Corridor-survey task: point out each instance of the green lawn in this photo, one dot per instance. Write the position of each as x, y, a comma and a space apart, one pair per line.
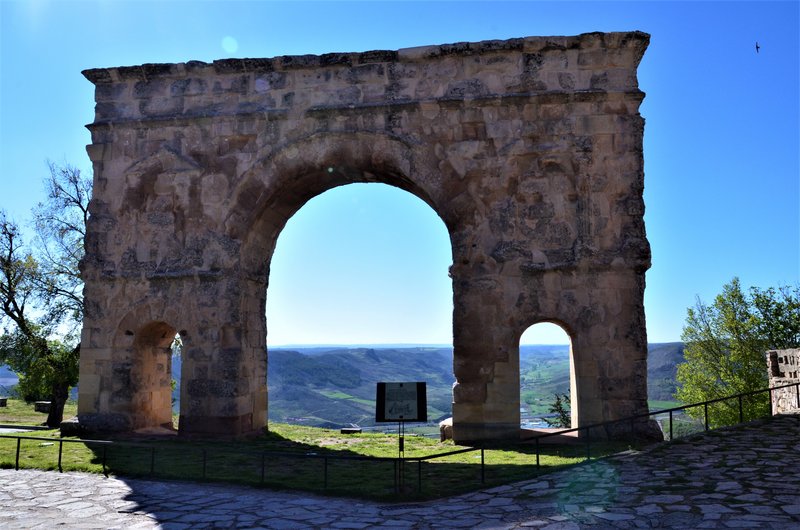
302, 458
655, 404
17, 412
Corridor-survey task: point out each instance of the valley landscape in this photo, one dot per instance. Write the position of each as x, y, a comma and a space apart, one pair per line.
334, 386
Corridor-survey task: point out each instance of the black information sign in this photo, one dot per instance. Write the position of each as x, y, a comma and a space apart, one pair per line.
402, 402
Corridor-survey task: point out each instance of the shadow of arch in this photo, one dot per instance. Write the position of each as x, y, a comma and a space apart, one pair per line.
553, 333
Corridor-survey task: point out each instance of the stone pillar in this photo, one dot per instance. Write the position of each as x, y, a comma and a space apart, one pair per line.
485, 361
224, 379
609, 346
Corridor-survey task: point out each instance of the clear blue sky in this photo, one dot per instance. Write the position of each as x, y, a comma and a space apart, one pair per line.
368, 263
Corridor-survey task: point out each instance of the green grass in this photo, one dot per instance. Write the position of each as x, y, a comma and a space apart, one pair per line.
656, 404
540, 380
335, 394
17, 412
296, 457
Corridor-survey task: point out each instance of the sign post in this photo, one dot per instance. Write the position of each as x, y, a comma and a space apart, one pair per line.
401, 402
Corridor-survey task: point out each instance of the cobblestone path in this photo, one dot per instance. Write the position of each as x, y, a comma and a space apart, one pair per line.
739, 478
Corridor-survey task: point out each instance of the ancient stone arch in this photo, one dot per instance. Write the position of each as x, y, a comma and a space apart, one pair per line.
529, 149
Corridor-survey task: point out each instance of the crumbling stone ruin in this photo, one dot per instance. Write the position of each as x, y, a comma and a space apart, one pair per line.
784, 369
529, 149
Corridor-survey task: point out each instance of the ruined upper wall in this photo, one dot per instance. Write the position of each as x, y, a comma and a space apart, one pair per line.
604, 62
784, 368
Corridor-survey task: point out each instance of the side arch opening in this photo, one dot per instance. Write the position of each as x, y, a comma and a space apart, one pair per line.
151, 381
548, 389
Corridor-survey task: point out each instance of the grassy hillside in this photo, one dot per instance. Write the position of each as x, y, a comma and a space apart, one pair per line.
662, 362
543, 371
338, 387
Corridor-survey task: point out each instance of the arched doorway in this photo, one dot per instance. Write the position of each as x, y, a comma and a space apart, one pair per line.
359, 278
151, 376
547, 378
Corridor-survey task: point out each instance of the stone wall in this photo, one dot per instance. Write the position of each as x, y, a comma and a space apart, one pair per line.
529, 149
784, 369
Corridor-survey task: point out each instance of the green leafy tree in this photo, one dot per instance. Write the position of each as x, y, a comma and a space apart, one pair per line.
60, 227
41, 305
726, 344
560, 407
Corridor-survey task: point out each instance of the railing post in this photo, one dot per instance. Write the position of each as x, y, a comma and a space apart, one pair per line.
771, 410
483, 469
419, 475
588, 443
263, 463
325, 472
105, 470
19, 440
670, 426
741, 410
537, 452
60, 451
204, 463
797, 389
705, 413
153, 461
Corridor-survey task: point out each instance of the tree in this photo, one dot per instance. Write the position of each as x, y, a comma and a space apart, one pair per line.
725, 345
560, 407
40, 293
60, 226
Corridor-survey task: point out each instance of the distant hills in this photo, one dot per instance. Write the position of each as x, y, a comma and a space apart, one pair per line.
7, 380
336, 386
662, 366
330, 386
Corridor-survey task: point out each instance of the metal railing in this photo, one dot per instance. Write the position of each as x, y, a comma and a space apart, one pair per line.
267, 458
264, 459
587, 429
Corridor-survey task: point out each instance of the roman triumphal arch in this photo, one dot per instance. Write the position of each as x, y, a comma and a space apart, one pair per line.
529, 149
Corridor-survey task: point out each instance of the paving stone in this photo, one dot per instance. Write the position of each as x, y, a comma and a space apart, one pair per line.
562, 526
649, 509
609, 516
624, 496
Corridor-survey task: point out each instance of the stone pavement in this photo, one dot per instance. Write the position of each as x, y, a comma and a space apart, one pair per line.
745, 477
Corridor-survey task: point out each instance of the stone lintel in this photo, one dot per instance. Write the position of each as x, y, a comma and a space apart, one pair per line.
190, 118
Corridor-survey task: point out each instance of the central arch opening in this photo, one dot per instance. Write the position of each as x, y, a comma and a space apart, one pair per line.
358, 292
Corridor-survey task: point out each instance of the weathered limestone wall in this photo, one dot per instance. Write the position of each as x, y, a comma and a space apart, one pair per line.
784, 369
529, 149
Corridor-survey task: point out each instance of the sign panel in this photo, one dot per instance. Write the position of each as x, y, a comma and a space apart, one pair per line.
401, 402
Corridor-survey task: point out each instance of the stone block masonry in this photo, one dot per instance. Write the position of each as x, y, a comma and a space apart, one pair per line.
784, 369
529, 149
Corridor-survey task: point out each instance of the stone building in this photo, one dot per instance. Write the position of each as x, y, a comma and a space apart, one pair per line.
530, 151
784, 369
